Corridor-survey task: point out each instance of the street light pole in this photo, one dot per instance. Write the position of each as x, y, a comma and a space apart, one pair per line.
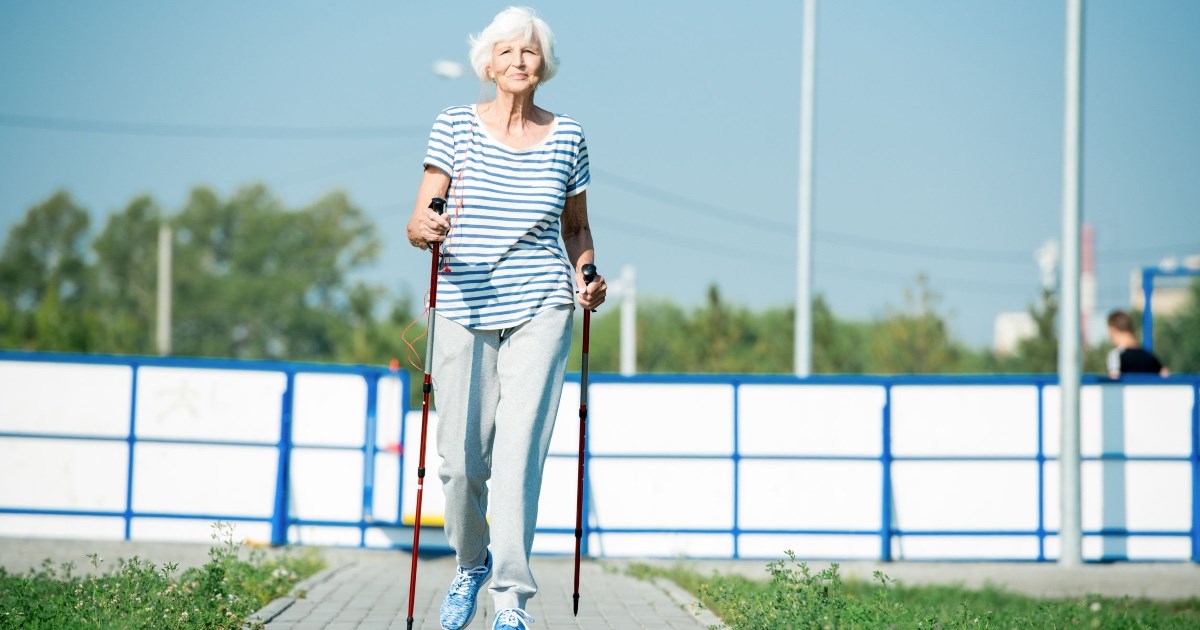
1069, 359
802, 352
628, 296
163, 315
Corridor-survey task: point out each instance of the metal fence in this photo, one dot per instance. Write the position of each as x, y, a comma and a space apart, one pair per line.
281, 518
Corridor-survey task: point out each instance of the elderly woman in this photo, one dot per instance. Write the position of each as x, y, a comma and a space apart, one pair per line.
515, 176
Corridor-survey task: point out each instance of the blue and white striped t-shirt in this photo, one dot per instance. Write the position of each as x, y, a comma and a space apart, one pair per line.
506, 262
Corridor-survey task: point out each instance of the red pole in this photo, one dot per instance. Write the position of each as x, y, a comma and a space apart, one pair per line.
438, 205
589, 272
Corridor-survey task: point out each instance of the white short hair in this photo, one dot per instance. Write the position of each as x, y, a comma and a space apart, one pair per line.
514, 23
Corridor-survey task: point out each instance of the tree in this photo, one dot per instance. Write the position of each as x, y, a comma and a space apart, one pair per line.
1177, 337
258, 281
838, 346
915, 340
125, 279
44, 276
1039, 353
662, 344
10, 325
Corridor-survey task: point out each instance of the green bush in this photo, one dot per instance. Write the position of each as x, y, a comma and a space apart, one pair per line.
796, 598
136, 594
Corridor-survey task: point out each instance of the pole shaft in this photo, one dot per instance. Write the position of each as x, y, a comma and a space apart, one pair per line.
583, 380
802, 352
163, 318
628, 322
1069, 357
426, 388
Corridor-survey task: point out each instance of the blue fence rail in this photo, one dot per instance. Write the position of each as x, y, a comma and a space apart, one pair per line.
281, 520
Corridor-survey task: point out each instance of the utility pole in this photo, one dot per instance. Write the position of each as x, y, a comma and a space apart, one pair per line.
1070, 535
802, 353
163, 319
628, 293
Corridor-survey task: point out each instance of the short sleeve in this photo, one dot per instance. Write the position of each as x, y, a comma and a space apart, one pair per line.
581, 176
1114, 361
440, 152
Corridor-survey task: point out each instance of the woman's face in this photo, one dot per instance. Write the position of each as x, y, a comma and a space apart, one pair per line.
516, 65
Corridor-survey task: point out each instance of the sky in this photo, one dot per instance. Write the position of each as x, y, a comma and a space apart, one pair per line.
938, 141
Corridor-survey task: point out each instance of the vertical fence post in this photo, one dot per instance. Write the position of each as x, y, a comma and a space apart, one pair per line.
402, 446
737, 465
1147, 309
279, 518
1196, 472
885, 459
1041, 471
369, 448
130, 441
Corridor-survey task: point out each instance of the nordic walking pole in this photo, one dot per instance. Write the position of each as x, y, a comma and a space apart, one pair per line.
438, 205
589, 274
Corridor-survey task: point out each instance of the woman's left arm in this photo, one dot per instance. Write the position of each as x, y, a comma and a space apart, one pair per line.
577, 236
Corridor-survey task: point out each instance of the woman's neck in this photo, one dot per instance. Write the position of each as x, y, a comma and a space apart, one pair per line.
512, 112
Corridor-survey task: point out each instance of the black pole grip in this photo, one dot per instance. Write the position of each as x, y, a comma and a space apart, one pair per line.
438, 205
589, 273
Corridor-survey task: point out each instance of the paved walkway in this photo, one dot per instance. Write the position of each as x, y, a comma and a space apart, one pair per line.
372, 594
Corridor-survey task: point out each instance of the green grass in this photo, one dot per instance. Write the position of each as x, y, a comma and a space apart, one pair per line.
795, 597
222, 593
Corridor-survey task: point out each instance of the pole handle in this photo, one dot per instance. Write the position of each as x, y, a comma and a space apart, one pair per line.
589, 274
438, 205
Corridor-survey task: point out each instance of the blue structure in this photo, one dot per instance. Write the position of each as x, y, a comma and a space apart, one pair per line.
1148, 276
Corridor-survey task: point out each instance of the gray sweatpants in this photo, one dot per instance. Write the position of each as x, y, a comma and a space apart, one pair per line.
497, 395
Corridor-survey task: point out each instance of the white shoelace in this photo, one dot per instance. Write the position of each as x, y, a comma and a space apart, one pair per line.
462, 581
511, 616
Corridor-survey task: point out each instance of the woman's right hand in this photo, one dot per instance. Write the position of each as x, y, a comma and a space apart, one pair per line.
427, 226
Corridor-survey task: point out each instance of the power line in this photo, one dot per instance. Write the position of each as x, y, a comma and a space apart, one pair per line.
340, 166
925, 251
701, 246
1141, 252
787, 229
218, 132
959, 285
693, 205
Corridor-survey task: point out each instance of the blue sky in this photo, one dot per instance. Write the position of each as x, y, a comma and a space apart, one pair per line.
938, 141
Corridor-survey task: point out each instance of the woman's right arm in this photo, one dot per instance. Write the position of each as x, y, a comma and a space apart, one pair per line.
427, 226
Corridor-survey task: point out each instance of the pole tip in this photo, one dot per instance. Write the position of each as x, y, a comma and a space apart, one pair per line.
576, 598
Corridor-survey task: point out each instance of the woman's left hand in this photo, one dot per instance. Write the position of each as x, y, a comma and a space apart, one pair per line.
591, 295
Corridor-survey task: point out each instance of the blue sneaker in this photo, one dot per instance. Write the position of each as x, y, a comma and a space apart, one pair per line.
512, 619
459, 606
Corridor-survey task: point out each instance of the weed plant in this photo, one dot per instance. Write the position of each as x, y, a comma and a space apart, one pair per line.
136, 594
797, 598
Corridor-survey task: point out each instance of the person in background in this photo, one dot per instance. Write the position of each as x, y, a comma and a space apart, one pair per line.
1127, 357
